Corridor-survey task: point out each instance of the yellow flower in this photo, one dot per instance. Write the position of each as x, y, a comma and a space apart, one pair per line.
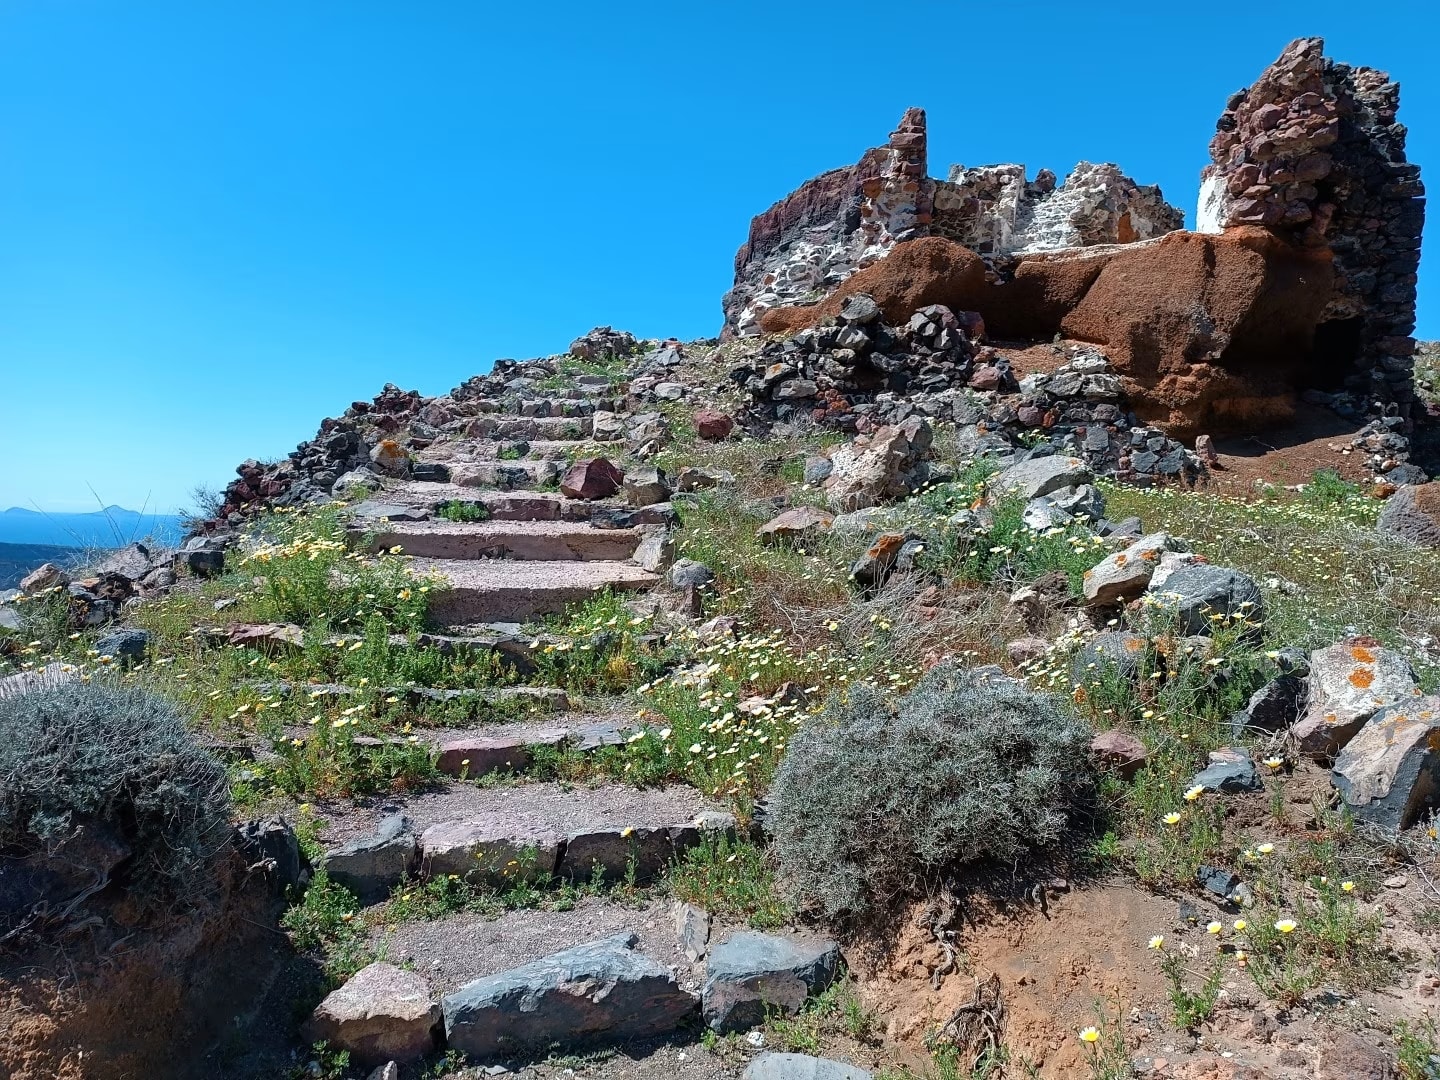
627, 831
1089, 1035
1239, 924
1194, 793
1171, 818
1157, 942
1348, 886
1273, 763
1285, 925
1214, 928
1266, 849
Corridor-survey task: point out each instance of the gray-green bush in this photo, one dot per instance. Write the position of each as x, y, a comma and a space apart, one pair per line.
115, 760
880, 797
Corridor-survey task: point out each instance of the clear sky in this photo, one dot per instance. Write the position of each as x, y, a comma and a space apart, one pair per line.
222, 221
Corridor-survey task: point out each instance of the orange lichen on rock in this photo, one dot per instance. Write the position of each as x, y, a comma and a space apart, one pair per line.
1362, 677
1362, 655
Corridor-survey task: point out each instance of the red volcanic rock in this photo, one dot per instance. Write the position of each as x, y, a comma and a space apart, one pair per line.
713, 425
1208, 332
1120, 751
916, 274
591, 478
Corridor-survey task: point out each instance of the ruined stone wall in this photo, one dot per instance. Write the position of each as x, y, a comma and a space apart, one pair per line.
808, 243
829, 227
994, 210
1313, 151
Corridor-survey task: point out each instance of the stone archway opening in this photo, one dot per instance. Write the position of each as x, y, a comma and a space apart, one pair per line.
1335, 356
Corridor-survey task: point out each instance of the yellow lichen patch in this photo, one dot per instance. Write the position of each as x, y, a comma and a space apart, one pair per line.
1362, 678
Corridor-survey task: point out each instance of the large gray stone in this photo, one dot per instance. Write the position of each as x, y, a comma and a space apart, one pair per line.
372, 865
1230, 772
1273, 707
1040, 476
1117, 652
600, 991
486, 855
382, 1014
752, 974
1195, 594
1126, 574
800, 1067
127, 646
645, 852
1408, 516
1389, 773
1349, 683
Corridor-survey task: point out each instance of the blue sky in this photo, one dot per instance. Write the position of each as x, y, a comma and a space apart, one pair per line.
220, 222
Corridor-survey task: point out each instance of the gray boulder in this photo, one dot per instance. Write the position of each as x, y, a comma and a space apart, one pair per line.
131, 561
646, 486
800, 1067
1197, 592
372, 865
1349, 683
1123, 576
127, 646
750, 975
1412, 514
1040, 476
1389, 774
1230, 772
382, 1014
1273, 707
687, 573
600, 991
1117, 651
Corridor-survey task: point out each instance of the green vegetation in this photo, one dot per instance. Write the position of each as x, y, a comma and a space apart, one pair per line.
731, 879
455, 510
108, 761
878, 799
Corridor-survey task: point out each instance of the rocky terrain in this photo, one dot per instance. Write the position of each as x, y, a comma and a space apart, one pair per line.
958, 668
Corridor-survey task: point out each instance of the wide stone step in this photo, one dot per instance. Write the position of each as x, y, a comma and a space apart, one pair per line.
505, 590
494, 836
468, 450
421, 498
513, 475
549, 541
559, 428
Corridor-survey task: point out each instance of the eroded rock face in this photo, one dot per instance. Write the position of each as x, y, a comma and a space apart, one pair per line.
1349, 683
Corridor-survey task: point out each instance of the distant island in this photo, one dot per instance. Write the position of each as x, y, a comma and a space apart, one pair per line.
111, 527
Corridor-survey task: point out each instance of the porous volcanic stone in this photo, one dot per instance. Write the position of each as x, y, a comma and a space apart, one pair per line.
591, 478
1120, 751
1412, 514
1389, 773
751, 974
382, 1014
602, 990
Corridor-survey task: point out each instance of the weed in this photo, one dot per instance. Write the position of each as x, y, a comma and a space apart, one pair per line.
731, 878
324, 922
1191, 1008
456, 510
1419, 1050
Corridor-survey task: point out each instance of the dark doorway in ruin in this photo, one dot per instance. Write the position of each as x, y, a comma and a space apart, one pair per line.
1334, 357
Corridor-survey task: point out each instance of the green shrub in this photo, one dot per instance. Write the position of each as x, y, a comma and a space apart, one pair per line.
122, 759
879, 798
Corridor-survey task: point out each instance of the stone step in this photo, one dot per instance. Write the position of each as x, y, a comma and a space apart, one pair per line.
517, 475
555, 404
558, 428
494, 835
509, 748
489, 450
418, 499
546, 541
507, 590
526, 698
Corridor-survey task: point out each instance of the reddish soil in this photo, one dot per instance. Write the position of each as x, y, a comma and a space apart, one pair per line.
1317, 439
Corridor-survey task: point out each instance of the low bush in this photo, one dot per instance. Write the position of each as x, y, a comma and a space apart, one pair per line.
879, 797
90, 764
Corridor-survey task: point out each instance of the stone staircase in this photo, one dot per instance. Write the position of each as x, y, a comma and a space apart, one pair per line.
534, 552
531, 552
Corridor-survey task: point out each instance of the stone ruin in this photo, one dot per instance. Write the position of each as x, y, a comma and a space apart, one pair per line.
848, 219
1298, 283
1312, 151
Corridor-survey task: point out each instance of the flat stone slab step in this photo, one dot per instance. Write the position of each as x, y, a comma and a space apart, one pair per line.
460, 948
417, 498
508, 747
546, 541
495, 836
468, 450
538, 698
506, 590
